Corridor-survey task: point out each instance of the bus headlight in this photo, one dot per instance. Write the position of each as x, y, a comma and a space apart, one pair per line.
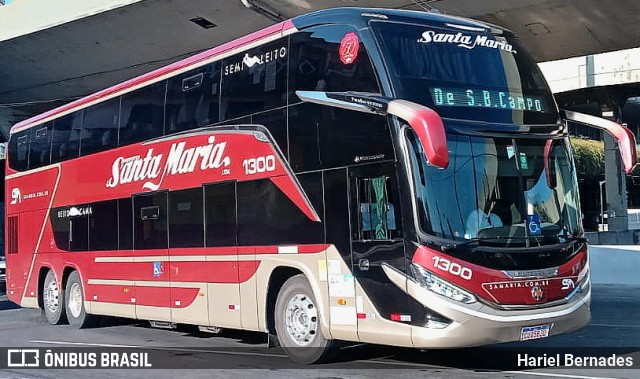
437, 285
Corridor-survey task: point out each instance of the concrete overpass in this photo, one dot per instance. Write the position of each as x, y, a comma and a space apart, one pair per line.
53, 52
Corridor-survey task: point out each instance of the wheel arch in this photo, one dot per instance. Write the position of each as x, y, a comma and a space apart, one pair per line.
279, 275
68, 269
42, 274
65, 275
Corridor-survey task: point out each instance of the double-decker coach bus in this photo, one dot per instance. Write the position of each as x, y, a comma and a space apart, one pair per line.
371, 175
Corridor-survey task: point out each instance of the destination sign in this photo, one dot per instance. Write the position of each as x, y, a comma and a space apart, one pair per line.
485, 98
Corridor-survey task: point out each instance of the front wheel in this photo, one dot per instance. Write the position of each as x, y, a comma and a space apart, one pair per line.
53, 300
74, 296
298, 323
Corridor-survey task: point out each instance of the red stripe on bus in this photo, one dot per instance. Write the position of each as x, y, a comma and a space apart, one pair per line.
231, 271
183, 296
109, 293
166, 297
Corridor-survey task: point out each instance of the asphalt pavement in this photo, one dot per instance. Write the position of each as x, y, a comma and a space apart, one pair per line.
615, 327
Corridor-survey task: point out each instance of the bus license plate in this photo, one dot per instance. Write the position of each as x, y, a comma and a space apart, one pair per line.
534, 332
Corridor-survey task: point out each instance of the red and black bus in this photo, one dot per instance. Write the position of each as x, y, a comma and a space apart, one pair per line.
372, 175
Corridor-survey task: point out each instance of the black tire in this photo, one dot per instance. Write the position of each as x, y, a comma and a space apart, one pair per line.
74, 303
305, 345
53, 300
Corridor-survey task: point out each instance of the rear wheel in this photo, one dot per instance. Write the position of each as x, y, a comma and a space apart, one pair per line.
53, 300
298, 323
74, 295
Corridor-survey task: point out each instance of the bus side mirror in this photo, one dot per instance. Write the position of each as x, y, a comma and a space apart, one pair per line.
425, 122
550, 165
624, 136
428, 126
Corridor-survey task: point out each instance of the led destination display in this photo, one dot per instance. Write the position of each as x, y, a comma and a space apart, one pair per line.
485, 98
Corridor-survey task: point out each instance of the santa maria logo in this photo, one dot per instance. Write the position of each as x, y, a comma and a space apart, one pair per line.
465, 40
153, 167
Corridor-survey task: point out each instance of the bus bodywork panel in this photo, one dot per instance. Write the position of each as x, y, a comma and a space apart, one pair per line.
181, 228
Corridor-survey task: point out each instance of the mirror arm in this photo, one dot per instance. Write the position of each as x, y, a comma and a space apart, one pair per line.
428, 126
624, 136
424, 121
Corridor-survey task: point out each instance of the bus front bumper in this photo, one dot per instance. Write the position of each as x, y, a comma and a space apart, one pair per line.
480, 324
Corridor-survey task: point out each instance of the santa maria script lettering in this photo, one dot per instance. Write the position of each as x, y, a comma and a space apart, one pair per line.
180, 160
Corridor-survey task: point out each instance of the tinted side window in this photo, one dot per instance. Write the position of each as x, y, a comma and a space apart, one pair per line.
376, 203
142, 114
326, 137
70, 226
60, 226
186, 224
79, 228
193, 99
125, 224
266, 216
348, 137
92, 226
276, 122
150, 225
237, 121
100, 127
66, 137
103, 226
19, 150
255, 80
376, 213
336, 214
316, 64
220, 214
40, 150
304, 121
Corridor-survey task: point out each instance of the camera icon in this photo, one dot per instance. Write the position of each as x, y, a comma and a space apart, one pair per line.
23, 358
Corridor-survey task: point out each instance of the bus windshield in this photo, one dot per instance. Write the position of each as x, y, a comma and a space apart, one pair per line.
502, 191
465, 74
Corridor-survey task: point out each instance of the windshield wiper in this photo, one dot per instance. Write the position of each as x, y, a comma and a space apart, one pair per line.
451, 246
580, 239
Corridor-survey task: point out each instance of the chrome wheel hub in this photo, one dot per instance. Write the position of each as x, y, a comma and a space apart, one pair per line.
52, 297
75, 300
301, 319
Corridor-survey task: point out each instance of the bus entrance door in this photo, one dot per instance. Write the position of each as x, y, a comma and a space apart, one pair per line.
150, 244
376, 235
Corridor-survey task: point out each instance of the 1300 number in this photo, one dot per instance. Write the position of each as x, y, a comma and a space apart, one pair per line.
259, 165
452, 268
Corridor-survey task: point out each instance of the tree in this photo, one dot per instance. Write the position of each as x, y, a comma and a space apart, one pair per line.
589, 157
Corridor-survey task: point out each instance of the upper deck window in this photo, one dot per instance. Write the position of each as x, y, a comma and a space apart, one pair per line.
465, 74
193, 99
142, 114
19, 150
66, 137
40, 149
254, 80
100, 127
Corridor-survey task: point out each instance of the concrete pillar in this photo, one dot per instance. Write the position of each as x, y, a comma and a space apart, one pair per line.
591, 77
616, 186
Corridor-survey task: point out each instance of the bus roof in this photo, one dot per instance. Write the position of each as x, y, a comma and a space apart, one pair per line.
349, 15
